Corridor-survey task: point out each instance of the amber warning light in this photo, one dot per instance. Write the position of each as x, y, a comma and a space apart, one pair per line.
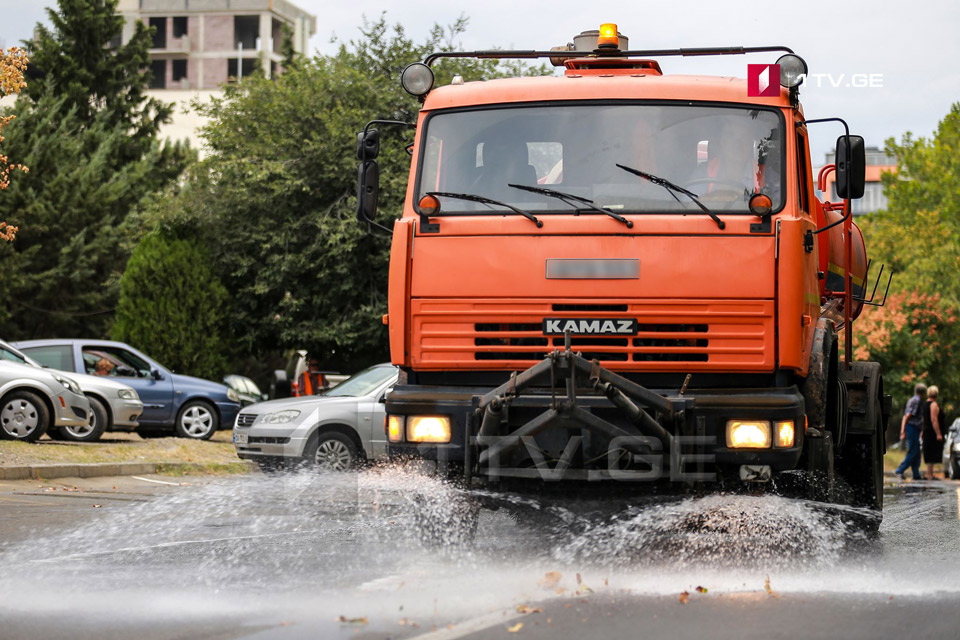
608, 38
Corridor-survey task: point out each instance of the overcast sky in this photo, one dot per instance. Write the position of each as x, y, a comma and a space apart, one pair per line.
913, 46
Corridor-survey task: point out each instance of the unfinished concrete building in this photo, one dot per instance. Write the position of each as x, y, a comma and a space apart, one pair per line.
200, 44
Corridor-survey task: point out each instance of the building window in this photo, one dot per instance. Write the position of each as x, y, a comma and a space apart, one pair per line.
179, 26
158, 71
249, 67
246, 30
160, 32
179, 70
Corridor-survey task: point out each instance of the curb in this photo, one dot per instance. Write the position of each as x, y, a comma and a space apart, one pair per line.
100, 469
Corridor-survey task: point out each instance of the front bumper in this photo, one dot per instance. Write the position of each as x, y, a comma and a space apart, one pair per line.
70, 410
551, 422
126, 414
270, 441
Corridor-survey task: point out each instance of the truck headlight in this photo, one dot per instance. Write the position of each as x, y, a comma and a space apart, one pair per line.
786, 434
280, 417
428, 429
127, 394
394, 428
748, 434
69, 384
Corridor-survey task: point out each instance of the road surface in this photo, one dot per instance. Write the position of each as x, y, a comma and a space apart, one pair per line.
343, 556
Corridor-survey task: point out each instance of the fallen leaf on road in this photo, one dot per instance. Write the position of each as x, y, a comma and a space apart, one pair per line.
701, 589
97, 506
515, 627
606, 582
550, 579
357, 621
561, 591
684, 597
407, 622
523, 608
766, 586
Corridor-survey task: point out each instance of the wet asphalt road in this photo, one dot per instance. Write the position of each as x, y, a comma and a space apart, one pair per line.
342, 556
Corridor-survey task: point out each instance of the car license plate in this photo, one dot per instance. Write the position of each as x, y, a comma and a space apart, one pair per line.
239, 438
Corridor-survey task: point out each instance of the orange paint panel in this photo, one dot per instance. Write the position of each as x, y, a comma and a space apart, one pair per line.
669, 267
399, 289
674, 335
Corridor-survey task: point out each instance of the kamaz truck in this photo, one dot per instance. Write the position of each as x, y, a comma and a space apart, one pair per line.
618, 278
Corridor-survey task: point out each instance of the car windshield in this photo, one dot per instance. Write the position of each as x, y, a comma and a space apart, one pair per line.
723, 155
363, 383
7, 353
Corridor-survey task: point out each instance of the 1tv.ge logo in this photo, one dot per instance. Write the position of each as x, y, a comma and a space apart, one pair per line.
763, 80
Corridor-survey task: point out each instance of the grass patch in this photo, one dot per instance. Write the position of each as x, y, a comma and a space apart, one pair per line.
217, 454
179, 469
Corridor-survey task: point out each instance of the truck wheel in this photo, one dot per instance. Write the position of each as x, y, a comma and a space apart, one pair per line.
23, 416
862, 466
90, 432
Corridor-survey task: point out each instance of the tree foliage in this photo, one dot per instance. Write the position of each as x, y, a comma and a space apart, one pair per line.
275, 197
13, 64
89, 135
918, 236
173, 306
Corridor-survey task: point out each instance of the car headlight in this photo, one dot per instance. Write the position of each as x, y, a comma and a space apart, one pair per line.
280, 417
233, 396
128, 394
748, 434
69, 384
428, 429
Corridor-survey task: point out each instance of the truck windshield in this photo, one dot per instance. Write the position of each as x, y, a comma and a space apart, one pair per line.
722, 154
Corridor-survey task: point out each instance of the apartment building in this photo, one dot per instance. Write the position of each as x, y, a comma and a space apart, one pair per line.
200, 44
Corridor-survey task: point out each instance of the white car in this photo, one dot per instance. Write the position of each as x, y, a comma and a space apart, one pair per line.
113, 406
334, 431
34, 400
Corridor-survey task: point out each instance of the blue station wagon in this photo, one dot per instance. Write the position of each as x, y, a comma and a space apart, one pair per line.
191, 407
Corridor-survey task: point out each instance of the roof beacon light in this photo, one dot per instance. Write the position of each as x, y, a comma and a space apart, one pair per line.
608, 38
792, 70
417, 79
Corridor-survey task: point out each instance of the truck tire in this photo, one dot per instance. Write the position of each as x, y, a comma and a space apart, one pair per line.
862, 465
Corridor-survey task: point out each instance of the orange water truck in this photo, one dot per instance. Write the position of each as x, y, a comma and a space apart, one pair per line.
621, 279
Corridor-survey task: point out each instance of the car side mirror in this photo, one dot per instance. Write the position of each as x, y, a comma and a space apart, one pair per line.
155, 374
851, 167
383, 396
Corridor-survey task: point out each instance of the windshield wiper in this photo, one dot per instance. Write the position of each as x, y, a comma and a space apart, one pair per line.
487, 201
573, 201
671, 187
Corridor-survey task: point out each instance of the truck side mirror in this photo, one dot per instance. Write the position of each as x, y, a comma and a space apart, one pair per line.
851, 167
368, 145
368, 190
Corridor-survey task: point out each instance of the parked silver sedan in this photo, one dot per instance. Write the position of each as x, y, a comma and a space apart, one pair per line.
34, 400
113, 406
334, 431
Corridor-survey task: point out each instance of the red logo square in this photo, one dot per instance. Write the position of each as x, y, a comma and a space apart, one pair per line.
763, 80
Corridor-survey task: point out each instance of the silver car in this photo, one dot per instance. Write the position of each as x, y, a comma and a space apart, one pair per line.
113, 406
34, 400
335, 431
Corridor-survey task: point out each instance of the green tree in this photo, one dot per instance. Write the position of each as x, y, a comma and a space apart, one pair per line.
915, 335
173, 306
89, 135
275, 197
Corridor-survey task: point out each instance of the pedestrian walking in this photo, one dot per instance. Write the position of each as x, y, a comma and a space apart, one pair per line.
910, 428
932, 432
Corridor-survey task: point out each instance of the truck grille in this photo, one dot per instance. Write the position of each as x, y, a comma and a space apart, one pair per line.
671, 335
246, 419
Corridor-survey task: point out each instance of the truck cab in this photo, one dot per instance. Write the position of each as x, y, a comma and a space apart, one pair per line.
614, 274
